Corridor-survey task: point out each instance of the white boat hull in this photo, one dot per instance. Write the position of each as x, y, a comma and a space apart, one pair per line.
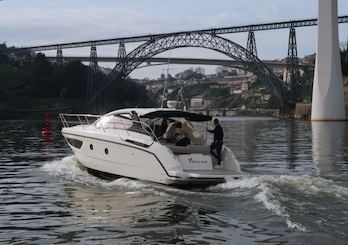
155, 163
119, 143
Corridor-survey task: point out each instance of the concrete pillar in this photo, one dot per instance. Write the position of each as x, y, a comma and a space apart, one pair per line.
328, 97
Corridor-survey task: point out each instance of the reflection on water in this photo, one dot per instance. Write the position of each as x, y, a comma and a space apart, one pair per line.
105, 207
328, 139
47, 198
271, 146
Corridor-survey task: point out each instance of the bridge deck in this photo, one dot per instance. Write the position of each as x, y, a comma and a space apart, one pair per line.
223, 30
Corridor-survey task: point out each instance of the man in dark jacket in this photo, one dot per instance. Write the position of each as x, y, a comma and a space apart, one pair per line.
218, 141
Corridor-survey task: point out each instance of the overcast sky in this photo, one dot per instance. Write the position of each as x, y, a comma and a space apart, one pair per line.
36, 22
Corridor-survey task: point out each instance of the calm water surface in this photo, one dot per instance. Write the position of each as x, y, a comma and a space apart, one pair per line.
295, 192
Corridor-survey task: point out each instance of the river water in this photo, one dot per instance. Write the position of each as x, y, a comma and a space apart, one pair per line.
295, 191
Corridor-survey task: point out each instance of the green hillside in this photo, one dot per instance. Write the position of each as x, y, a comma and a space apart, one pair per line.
26, 80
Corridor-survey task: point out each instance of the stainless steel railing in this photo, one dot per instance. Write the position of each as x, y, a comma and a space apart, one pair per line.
70, 120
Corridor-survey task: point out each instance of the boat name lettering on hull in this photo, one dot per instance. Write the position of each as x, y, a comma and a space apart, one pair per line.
191, 160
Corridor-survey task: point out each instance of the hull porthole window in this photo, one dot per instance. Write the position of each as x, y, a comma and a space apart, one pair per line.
74, 142
91, 146
106, 151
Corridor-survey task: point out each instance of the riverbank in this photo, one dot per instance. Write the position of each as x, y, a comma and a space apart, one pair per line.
303, 110
35, 108
238, 112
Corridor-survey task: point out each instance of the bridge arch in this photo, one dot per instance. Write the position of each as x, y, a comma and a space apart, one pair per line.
201, 40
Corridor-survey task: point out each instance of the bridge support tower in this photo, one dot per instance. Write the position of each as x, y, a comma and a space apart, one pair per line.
251, 43
121, 54
121, 50
93, 81
59, 57
292, 70
328, 97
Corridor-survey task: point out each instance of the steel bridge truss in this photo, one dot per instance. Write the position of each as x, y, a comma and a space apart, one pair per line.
205, 38
202, 40
214, 31
93, 82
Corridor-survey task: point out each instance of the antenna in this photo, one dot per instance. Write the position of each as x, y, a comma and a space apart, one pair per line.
346, 51
165, 80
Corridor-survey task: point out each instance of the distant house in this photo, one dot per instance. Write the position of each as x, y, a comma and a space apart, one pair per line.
20, 57
244, 86
200, 101
231, 80
154, 86
197, 101
265, 98
235, 88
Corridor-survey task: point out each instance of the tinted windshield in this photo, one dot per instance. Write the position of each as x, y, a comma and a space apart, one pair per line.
114, 122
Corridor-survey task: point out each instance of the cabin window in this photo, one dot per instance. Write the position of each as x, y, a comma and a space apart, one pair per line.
75, 143
106, 151
114, 122
91, 146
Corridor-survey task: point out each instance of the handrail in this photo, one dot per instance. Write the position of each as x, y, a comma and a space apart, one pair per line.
151, 133
84, 119
80, 119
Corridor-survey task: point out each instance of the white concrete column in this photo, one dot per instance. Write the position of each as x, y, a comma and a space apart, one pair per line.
328, 95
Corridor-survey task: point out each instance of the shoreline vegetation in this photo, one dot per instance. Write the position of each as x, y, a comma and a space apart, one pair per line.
33, 85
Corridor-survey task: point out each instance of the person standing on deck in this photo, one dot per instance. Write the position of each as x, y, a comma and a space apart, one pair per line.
218, 140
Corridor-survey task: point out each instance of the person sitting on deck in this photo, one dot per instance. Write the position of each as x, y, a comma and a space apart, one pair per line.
170, 133
181, 134
177, 134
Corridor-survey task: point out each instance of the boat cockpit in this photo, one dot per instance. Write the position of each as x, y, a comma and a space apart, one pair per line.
172, 128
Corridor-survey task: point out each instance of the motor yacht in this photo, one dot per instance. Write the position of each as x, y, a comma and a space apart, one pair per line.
135, 143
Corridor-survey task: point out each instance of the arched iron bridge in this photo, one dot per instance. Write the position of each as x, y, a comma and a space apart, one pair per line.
201, 40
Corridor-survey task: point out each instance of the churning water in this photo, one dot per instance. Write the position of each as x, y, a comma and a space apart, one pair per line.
295, 192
